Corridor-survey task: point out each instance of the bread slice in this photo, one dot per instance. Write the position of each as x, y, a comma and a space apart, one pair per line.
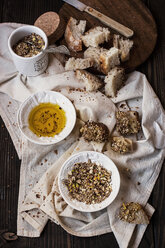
92, 83
94, 53
74, 64
133, 213
127, 122
96, 36
95, 131
121, 145
124, 46
109, 59
73, 33
113, 81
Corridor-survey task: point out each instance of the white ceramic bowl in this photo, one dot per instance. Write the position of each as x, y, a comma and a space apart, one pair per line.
31, 66
95, 157
41, 97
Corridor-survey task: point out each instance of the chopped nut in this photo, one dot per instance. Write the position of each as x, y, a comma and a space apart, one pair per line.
29, 46
86, 184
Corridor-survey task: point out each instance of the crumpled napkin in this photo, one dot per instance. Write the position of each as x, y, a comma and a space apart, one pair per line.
39, 197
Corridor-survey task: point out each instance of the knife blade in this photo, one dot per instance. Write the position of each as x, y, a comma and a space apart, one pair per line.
127, 32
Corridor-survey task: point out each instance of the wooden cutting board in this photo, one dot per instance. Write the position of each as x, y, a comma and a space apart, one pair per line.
131, 13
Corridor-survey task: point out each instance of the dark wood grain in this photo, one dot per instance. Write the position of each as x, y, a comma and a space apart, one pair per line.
132, 14
54, 236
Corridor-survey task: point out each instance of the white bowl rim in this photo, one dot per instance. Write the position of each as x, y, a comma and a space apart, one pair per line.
52, 92
69, 202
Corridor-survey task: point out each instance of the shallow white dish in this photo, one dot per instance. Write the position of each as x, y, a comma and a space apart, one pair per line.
41, 97
95, 157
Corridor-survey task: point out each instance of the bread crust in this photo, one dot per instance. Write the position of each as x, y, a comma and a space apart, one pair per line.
109, 61
73, 43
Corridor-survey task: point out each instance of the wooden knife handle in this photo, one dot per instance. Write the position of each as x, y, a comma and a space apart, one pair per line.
110, 22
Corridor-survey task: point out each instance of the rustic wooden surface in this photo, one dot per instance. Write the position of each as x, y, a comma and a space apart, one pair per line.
132, 14
22, 11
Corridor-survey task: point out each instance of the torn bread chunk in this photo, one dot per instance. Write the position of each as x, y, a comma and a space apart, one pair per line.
73, 33
95, 131
113, 81
92, 83
124, 46
121, 145
94, 53
74, 64
109, 59
127, 122
133, 213
96, 36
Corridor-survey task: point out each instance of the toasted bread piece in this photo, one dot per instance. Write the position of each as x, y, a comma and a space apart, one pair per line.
73, 33
133, 213
124, 46
94, 53
92, 83
113, 81
95, 131
121, 145
96, 36
109, 59
127, 122
74, 64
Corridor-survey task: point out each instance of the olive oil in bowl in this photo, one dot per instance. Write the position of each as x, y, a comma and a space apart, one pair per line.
47, 120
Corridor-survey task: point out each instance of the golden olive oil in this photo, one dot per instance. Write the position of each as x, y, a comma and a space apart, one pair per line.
47, 119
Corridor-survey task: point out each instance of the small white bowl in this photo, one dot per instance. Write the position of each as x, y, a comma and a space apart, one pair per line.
95, 157
31, 66
41, 97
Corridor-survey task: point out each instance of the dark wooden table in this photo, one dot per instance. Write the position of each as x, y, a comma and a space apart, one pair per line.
22, 11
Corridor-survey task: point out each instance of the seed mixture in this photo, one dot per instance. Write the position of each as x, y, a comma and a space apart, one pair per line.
95, 131
29, 46
127, 122
88, 182
133, 213
121, 145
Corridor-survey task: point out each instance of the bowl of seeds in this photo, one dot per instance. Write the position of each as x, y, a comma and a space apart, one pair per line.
26, 45
89, 181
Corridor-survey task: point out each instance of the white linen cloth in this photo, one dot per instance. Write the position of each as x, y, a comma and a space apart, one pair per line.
39, 198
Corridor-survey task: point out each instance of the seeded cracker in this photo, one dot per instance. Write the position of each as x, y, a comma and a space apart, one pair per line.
133, 213
95, 131
127, 122
121, 145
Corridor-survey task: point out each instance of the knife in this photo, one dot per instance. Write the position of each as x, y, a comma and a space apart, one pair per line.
103, 18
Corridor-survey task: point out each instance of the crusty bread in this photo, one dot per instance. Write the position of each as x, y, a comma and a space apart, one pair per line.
109, 59
92, 83
113, 81
73, 33
96, 36
133, 213
121, 145
74, 64
124, 46
127, 122
94, 53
